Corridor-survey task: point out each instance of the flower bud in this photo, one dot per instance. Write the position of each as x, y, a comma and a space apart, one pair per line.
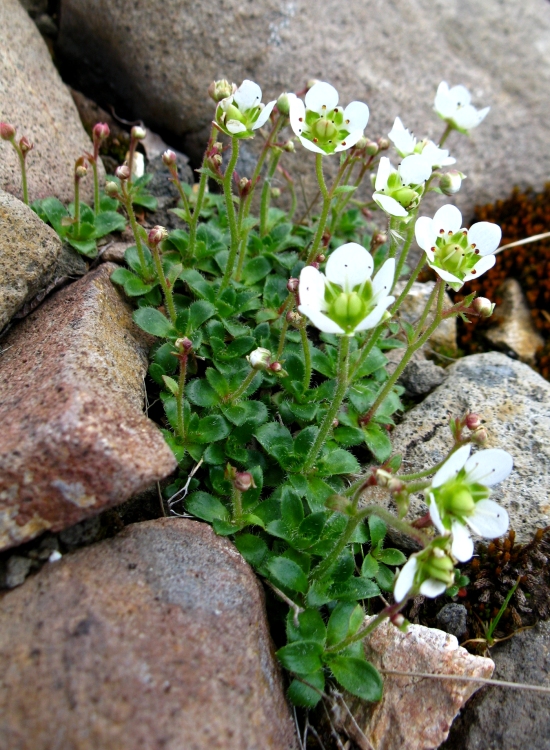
372, 148
479, 436
383, 144
123, 173
7, 131
383, 477
311, 83
483, 307
25, 145
219, 90
321, 258
169, 158
283, 104
80, 167
100, 131
260, 358
292, 285
111, 188
216, 160
157, 234
377, 240
362, 143
472, 421
275, 367
450, 182
294, 318
398, 620
243, 481
138, 133
184, 344
275, 192
335, 423
289, 147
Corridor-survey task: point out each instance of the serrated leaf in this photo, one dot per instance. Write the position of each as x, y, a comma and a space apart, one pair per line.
378, 441
256, 269
357, 676
211, 429
354, 589
289, 574
292, 510
385, 578
206, 506
302, 657
171, 384
254, 412
108, 221
154, 322
338, 461
252, 548
199, 312
218, 382
369, 568
338, 626
275, 439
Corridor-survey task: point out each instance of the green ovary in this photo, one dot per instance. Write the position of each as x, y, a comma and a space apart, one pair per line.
349, 309
455, 254
456, 500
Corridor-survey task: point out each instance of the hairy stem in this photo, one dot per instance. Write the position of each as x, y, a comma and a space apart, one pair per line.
232, 219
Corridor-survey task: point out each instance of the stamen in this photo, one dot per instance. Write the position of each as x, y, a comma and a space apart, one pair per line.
315, 140
441, 231
450, 233
324, 106
343, 143
476, 252
473, 271
347, 122
300, 119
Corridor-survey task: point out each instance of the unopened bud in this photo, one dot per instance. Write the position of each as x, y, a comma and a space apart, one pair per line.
157, 234
260, 358
276, 367
479, 436
293, 285
311, 83
450, 182
398, 620
219, 90
138, 133
294, 318
25, 145
321, 258
289, 147
7, 131
361, 143
283, 104
337, 503
383, 477
377, 240
472, 421
275, 192
243, 481
100, 131
184, 344
123, 172
80, 167
111, 188
335, 423
372, 148
383, 144
169, 158
216, 160
217, 147
244, 184
483, 307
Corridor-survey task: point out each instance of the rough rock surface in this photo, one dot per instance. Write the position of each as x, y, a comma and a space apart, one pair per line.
156, 638
499, 718
38, 104
29, 250
372, 51
511, 324
514, 403
415, 712
74, 438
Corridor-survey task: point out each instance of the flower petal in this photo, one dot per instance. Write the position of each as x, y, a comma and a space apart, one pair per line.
489, 467
296, 113
405, 579
448, 277
462, 546
469, 117
432, 588
438, 157
349, 141
460, 96
403, 140
489, 519
389, 204
248, 95
321, 97
383, 281
356, 117
448, 218
452, 466
311, 288
375, 316
435, 515
311, 146
349, 265
384, 171
486, 236
483, 264
425, 232
235, 126
443, 104
264, 115
320, 320
414, 169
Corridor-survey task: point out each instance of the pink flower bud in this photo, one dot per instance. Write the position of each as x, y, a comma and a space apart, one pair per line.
25, 145
243, 481
292, 285
100, 131
335, 423
123, 173
184, 344
156, 235
383, 144
138, 133
294, 318
321, 258
275, 367
111, 188
472, 421
289, 147
7, 131
169, 158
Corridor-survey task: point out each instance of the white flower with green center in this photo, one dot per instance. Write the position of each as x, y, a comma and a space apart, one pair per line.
429, 572
458, 497
453, 106
406, 144
457, 255
346, 300
241, 113
398, 191
321, 125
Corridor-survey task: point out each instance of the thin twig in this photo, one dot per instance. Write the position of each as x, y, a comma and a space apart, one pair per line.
482, 680
161, 501
526, 241
175, 497
293, 606
296, 724
360, 733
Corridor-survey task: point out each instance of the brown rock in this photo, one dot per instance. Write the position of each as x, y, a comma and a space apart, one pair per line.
154, 639
513, 327
29, 250
415, 712
74, 437
37, 103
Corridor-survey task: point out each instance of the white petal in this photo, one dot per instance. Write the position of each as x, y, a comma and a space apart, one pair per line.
296, 113
321, 97
452, 466
264, 115
414, 169
469, 117
320, 320
435, 515
432, 588
448, 277
375, 316
383, 281
460, 96
402, 139
358, 115
311, 146
311, 288
405, 579
248, 95
483, 264
384, 171
389, 205
235, 126
438, 157
349, 141
349, 265
425, 233
488, 520
448, 218
485, 236
443, 104
489, 467
462, 546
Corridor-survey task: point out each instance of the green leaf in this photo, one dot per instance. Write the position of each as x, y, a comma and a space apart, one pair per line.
135, 287
198, 284
154, 322
207, 507
338, 626
318, 493
348, 436
252, 548
377, 529
354, 589
289, 574
199, 312
55, 211
108, 221
294, 365
121, 276
275, 439
345, 189
304, 441
211, 429
369, 568
201, 393
301, 694
311, 627
385, 578
302, 657
378, 441
146, 200
357, 676
338, 461
392, 557
84, 247
311, 528
253, 412
218, 382
373, 362
171, 384
255, 270
292, 510
215, 454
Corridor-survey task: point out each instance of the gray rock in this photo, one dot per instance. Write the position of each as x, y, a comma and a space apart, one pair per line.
29, 251
156, 638
453, 619
391, 55
514, 403
16, 570
498, 718
421, 377
37, 103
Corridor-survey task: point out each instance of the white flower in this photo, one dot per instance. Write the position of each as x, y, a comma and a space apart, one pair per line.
403, 140
241, 113
453, 105
321, 125
429, 573
346, 300
438, 157
458, 497
399, 190
457, 255
405, 145
260, 358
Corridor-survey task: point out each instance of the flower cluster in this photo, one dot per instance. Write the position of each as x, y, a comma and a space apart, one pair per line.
453, 106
